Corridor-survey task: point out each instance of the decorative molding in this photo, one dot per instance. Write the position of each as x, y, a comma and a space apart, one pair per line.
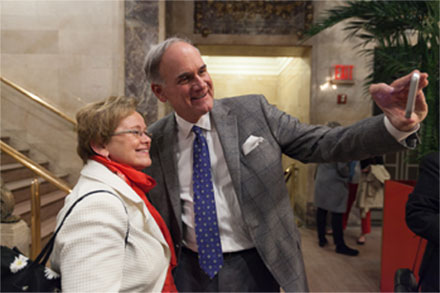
252, 17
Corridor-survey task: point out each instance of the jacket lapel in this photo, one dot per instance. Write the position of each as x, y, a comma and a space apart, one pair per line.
227, 129
166, 143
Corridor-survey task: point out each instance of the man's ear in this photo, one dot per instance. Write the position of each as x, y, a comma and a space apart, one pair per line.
99, 149
158, 91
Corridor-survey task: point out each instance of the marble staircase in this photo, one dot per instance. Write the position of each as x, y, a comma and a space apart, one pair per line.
18, 179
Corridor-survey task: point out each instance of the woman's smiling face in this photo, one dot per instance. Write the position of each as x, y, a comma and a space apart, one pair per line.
130, 148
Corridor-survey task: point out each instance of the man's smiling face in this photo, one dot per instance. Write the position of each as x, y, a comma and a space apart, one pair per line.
186, 83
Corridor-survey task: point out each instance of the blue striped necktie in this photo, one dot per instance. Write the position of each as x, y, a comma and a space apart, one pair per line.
206, 226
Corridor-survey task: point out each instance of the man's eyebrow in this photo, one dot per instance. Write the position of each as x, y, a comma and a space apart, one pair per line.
182, 75
187, 74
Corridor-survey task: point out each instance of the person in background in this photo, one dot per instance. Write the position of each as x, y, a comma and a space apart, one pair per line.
422, 217
353, 182
367, 194
237, 145
114, 240
331, 194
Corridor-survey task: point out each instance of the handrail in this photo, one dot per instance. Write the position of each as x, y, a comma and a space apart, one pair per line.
38, 100
35, 167
289, 171
35, 219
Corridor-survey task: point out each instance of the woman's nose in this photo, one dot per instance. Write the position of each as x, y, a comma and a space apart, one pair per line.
146, 138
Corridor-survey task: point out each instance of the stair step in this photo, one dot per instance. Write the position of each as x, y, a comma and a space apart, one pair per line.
47, 228
5, 139
16, 171
25, 206
7, 159
18, 184
51, 203
22, 188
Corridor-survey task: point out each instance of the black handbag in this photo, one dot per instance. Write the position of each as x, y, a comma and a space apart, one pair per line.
404, 278
21, 274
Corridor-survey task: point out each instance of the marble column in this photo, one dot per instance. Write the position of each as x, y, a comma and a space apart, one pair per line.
141, 31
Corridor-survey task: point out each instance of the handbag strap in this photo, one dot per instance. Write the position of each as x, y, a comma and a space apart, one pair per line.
47, 250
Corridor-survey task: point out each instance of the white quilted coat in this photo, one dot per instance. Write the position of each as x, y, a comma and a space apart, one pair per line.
90, 251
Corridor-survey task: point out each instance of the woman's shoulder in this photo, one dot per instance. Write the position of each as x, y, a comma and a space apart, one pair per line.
92, 198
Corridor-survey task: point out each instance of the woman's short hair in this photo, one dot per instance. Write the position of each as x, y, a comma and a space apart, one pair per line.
96, 122
154, 57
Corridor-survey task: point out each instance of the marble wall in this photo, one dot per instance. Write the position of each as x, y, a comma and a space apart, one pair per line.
329, 48
69, 53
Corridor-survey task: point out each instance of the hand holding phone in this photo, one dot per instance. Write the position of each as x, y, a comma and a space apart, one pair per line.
412, 93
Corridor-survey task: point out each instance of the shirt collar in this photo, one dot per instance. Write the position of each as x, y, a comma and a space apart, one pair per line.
185, 127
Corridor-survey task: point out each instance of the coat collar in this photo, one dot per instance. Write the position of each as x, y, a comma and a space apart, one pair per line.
165, 142
96, 171
99, 172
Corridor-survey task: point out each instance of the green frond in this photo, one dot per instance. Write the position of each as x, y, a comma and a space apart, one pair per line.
393, 26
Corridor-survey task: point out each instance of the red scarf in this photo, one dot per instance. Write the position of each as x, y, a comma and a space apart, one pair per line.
142, 184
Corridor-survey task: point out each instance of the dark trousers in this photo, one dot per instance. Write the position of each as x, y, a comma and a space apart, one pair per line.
242, 271
321, 217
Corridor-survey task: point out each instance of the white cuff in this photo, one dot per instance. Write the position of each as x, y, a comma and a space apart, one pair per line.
396, 133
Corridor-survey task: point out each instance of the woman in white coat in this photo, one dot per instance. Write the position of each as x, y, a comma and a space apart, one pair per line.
114, 239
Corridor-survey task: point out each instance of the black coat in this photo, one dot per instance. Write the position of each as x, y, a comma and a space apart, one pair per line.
422, 217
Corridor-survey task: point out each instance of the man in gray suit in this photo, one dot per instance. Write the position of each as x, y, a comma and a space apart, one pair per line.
246, 137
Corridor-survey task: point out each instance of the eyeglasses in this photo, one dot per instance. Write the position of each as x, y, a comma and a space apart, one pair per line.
137, 133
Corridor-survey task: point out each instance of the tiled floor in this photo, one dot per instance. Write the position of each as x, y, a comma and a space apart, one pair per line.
328, 271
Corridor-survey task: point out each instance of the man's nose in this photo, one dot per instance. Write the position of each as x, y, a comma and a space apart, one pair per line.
198, 83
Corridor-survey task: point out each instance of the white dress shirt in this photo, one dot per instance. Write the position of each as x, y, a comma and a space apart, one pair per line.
233, 232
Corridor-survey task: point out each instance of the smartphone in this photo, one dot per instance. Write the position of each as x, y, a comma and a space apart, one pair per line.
412, 93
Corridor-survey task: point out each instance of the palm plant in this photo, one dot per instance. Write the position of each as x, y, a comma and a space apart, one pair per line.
405, 35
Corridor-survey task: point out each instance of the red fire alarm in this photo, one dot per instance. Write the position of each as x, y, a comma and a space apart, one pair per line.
342, 99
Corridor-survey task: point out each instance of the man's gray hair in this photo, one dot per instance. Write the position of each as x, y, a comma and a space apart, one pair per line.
154, 57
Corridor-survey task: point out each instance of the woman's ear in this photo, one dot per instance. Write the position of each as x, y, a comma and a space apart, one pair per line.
99, 149
158, 91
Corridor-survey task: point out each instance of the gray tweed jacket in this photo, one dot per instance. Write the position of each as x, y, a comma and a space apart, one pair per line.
258, 176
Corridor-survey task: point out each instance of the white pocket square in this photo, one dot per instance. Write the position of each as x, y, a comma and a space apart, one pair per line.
251, 143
